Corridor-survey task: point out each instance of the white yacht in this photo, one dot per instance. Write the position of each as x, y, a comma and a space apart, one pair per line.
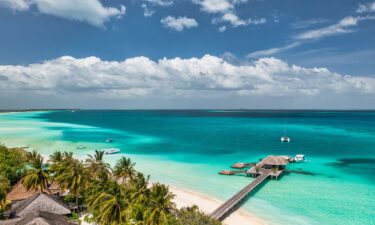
299, 158
109, 151
81, 147
285, 139
109, 140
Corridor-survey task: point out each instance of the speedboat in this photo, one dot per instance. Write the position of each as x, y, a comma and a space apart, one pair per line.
299, 158
109, 151
285, 139
81, 147
109, 140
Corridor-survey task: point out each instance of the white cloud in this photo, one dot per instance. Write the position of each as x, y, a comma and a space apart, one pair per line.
236, 21
147, 12
209, 76
368, 7
148, 6
16, 5
222, 28
272, 51
342, 27
308, 23
215, 6
90, 11
226, 10
160, 2
180, 23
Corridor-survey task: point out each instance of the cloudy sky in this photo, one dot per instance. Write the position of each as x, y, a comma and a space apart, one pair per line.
187, 54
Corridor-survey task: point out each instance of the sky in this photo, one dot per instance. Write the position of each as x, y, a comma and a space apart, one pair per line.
156, 54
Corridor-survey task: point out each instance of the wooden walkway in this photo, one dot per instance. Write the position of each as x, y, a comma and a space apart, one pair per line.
227, 207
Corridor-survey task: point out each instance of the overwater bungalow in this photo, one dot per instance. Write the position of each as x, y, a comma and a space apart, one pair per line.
273, 164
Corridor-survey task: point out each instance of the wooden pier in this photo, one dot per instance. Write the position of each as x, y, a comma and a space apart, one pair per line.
227, 207
271, 166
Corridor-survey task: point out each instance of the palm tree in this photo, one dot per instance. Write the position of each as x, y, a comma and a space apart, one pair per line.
161, 206
4, 203
96, 165
4, 186
139, 196
33, 156
108, 202
37, 176
124, 170
56, 157
140, 189
72, 175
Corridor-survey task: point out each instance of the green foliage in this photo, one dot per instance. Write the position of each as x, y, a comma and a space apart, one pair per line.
12, 163
97, 167
193, 216
161, 205
4, 186
3, 206
73, 216
88, 219
124, 170
37, 176
69, 198
121, 197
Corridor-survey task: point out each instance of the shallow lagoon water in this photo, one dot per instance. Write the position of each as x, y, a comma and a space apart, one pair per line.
336, 185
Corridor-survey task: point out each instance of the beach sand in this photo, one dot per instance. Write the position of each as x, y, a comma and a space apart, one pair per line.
186, 197
207, 204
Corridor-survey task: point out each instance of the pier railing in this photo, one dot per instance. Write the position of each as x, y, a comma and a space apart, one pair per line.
227, 207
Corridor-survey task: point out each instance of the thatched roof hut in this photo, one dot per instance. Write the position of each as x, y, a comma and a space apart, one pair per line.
39, 218
274, 161
40, 202
19, 192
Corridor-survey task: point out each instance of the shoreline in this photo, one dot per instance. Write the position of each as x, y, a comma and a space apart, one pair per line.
186, 197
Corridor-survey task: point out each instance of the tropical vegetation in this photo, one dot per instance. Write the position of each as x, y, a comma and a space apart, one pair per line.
110, 196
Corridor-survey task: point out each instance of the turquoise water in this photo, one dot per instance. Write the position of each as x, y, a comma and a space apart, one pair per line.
336, 185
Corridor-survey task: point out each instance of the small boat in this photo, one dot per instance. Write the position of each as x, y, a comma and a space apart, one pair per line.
81, 147
109, 140
111, 151
226, 172
285, 139
299, 158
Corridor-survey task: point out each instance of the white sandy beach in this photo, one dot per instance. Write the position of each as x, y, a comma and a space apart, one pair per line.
186, 197
207, 204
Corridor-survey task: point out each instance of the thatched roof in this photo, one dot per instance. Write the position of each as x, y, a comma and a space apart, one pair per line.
38, 218
275, 161
40, 202
19, 192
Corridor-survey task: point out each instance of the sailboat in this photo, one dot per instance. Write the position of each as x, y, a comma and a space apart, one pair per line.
285, 138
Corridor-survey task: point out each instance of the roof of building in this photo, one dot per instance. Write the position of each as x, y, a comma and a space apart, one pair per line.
39, 218
275, 161
19, 192
40, 202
